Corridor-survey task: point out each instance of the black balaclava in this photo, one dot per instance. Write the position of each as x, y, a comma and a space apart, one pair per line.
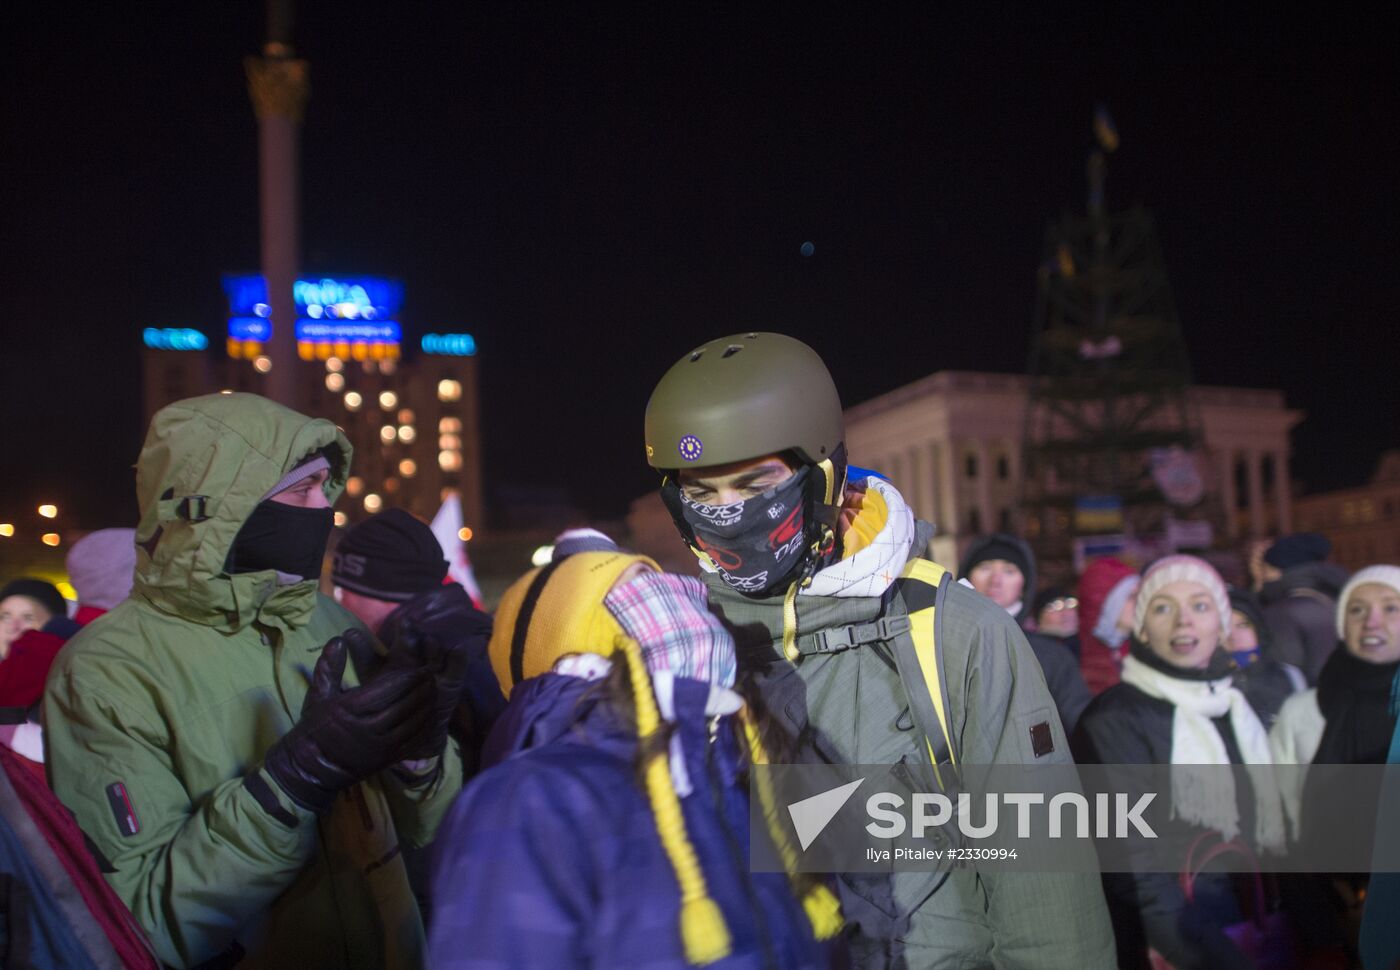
287, 538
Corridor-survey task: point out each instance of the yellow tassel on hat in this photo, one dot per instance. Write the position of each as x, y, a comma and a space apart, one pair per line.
704, 934
820, 904
823, 911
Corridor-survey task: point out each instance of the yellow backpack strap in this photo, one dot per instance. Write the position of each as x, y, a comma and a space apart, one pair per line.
917, 660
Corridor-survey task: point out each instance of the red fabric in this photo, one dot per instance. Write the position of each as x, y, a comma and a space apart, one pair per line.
23, 671
86, 614
66, 840
1099, 663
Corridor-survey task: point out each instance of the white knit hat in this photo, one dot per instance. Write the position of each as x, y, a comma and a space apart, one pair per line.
1385, 575
1182, 569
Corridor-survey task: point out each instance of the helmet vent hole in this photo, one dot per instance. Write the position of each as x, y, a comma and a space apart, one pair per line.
731, 350
696, 356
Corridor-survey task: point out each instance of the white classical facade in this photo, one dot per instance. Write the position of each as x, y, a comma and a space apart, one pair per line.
952, 444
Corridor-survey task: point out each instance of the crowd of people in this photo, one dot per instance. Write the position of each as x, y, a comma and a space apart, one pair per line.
209, 763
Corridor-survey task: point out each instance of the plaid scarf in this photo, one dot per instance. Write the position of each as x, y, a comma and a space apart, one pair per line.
669, 617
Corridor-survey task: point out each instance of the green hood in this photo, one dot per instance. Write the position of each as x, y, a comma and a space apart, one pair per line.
205, 464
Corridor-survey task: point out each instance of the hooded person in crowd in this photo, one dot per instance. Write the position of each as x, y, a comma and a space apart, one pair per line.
1107, 600
1176, 705
245, 795
1299, 594
610, 825
388, 571
862, 651
100, 567
1262, 679
1002, 568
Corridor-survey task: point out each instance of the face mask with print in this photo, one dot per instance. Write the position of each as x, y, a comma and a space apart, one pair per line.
758, 543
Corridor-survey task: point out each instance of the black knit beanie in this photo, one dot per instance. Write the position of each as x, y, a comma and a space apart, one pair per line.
998, 546
45, 594
390, 556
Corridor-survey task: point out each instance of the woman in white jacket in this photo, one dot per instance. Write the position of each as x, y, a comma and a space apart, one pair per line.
1345, 719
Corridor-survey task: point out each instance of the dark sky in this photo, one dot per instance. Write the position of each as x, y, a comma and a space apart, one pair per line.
592, 191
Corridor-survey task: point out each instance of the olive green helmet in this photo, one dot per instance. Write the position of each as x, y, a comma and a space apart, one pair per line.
742, 397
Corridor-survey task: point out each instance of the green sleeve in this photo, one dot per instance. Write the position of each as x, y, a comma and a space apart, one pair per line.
418, 810
191, 872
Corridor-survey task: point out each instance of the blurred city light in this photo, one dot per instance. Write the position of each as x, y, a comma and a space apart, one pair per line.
465, 534
373, 502
353, 400
6, 529
48, 511
50, 538
388, 400
408, 468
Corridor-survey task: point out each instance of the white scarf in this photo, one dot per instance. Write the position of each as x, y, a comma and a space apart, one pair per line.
1207, 798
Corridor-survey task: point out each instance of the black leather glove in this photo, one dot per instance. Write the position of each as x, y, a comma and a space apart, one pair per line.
445, 658
344, 737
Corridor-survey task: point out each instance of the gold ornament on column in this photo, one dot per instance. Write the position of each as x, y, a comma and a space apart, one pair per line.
279, 86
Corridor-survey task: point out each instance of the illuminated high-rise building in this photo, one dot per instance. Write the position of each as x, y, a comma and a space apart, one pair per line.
411, 412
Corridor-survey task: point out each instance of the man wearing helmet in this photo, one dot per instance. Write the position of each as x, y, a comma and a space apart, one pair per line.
816, 568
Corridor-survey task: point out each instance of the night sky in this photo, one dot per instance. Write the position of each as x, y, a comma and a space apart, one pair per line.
592, 191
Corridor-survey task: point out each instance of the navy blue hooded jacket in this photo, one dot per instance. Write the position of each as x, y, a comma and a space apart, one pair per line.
551, 858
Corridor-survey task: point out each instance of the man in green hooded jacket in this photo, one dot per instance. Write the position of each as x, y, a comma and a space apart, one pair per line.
245, 794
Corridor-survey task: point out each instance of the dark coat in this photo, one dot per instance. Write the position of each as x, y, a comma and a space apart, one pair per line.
1300, 609
1125, 726
1062, 676
551, 858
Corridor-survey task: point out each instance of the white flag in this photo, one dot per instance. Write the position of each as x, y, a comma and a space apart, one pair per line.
447, 526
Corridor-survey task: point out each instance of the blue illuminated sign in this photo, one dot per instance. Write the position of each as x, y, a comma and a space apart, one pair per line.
319, 331
345, 298
250, 328
449, 344
174, 338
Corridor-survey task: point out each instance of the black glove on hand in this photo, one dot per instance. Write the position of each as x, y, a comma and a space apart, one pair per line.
411, 647
344, 737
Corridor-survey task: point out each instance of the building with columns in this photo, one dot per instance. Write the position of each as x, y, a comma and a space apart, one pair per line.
952, 443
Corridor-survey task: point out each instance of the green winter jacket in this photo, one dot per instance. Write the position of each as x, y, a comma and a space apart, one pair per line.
155, 712
849, 705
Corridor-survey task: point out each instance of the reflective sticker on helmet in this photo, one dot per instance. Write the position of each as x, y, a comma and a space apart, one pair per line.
691, 448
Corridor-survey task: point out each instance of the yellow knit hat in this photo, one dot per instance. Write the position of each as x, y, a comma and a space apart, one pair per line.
557, 610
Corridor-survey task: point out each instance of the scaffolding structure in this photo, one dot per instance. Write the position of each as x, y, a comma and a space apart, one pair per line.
1112, 442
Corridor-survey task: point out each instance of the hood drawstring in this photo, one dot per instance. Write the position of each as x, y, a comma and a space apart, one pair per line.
704, 934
